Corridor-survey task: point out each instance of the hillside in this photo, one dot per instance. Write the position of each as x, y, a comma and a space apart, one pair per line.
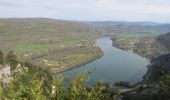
140, 44
126, 23
59, 45
162, 27
165, 40
49, 43
146, 28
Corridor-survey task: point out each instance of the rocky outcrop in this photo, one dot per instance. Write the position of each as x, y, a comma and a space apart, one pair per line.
5, 74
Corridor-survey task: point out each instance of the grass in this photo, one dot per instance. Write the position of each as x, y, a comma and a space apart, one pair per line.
33, 47
36, 47
130, 36
78, 58
69, 42
66, 62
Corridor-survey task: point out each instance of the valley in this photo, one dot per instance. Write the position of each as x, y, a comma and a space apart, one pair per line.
58, 44
50, 47
85, 50
49, 44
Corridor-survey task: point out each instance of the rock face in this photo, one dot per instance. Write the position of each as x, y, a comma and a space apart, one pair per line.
4, 74
5, 70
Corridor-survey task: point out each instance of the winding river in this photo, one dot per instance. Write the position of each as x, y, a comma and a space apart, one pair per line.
115, 65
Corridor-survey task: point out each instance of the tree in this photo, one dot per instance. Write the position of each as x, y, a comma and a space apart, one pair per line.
165, 85
1, 92
11, 59
2, 57
33, 86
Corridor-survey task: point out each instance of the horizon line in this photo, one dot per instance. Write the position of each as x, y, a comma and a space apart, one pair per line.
73, 20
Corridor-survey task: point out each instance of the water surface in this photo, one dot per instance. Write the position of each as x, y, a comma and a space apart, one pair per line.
115, 65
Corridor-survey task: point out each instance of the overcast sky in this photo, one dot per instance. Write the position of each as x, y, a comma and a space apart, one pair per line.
89, 10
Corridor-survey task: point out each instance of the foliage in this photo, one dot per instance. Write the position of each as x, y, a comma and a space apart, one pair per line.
164, 39
78, 90
141, 44
25, 85
36, 86
1, 92
59, 91
2, 57
11, 59
165, 85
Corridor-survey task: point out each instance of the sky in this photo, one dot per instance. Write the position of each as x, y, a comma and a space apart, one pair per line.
88, 10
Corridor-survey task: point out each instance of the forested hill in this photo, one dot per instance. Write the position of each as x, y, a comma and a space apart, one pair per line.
165, 40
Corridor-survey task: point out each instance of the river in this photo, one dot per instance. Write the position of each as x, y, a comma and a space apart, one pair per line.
115, 65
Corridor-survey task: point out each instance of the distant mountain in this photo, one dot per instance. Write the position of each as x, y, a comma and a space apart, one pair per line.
126, 23
165, 39
155, 28
162, 27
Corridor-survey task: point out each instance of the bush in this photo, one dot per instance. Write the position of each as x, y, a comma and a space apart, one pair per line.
36, 86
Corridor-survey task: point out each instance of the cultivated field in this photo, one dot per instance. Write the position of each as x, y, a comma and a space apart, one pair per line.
51, 44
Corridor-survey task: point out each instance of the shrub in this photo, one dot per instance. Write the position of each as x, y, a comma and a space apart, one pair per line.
36, 86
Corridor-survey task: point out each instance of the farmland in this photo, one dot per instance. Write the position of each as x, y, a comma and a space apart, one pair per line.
58, 45
50, 44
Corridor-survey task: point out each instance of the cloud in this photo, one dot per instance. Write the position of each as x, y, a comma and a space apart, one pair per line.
8, 4
129, 10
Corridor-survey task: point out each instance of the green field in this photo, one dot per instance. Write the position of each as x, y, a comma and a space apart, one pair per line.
130, 36
37, 47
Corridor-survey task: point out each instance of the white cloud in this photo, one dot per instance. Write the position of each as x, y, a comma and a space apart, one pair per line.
130, 10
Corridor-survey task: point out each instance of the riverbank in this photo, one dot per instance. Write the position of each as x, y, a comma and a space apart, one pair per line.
54, 70
145, 46
109, 68
155, 84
